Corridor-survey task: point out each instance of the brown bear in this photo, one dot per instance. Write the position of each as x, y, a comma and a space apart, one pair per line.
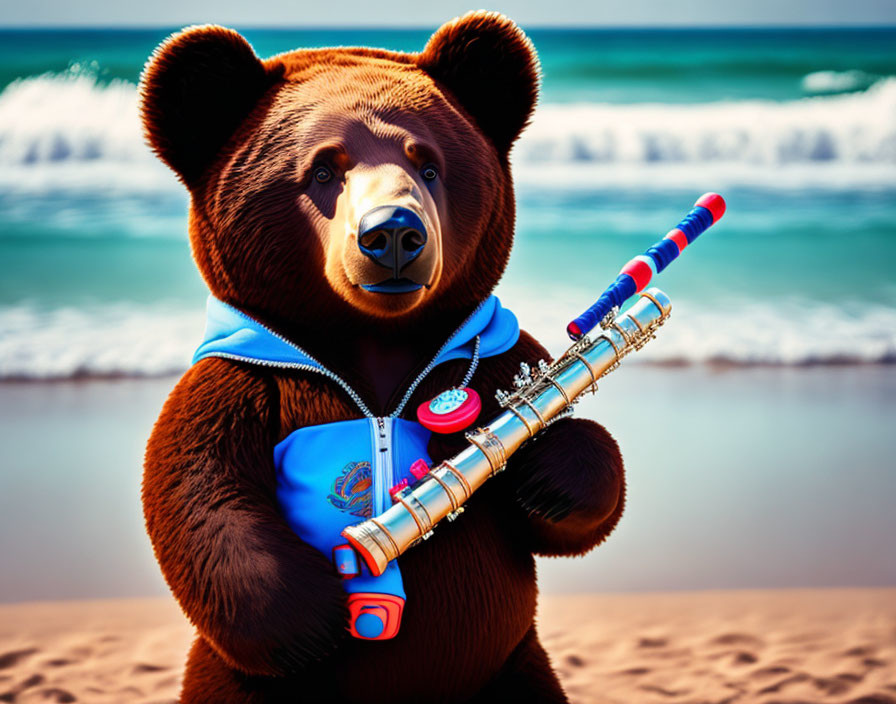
284, 160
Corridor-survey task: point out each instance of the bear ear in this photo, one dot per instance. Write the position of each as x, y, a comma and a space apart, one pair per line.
490, 66
196, 89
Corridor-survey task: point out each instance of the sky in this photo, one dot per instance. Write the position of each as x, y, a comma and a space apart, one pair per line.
421, 13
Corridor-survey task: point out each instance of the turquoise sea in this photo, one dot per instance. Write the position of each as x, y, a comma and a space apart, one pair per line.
796, 128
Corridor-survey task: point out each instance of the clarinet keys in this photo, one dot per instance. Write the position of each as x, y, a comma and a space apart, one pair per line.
454, 514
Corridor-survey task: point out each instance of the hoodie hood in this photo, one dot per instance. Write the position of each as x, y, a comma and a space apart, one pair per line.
231, 333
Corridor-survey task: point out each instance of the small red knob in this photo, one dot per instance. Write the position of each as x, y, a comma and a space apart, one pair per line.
714, 203
419, 469
403, 484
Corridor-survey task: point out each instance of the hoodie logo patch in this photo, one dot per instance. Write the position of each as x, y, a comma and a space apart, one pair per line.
352, 490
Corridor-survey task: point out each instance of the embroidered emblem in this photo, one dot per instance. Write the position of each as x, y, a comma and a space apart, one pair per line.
352, 490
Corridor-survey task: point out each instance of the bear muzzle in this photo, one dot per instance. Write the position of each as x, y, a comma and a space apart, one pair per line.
393, 237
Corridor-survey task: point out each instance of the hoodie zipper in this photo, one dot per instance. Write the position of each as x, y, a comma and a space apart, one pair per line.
383, 473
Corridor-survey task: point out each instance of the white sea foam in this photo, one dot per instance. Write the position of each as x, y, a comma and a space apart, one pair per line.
820, 82
110, 340
69, 117
842, 137
788, 333
68, 131
130, 340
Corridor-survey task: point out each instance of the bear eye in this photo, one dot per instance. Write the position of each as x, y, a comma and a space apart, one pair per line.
322, 174
429, 172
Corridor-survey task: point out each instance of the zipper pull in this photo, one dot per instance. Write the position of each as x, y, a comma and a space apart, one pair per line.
381, 424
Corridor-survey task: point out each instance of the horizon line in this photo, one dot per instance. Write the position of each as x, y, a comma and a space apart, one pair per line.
419, 27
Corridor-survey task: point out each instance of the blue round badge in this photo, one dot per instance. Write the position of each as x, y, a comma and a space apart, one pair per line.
448, 401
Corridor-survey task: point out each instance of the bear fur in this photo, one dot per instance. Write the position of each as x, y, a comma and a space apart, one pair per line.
273, 235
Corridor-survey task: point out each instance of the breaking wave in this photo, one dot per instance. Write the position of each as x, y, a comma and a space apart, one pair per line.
791, 333
113, 340
841, 137
70, 131
826, 82
128, 340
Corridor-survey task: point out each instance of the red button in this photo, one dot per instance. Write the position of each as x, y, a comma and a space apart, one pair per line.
419, 469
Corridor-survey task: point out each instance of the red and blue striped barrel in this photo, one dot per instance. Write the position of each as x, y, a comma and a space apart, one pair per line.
636, 275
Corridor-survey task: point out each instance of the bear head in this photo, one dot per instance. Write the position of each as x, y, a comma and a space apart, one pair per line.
346, 187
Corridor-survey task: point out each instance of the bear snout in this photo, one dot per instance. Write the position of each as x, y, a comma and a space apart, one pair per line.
392, 236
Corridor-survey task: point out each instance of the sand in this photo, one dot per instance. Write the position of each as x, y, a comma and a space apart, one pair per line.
784, 646
126, 651
768, 647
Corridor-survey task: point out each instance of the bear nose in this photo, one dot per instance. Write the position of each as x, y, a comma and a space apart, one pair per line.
391, 236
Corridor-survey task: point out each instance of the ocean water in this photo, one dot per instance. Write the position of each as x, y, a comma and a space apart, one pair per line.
797, 129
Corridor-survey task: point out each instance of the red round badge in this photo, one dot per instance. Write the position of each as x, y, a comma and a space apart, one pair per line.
450, 411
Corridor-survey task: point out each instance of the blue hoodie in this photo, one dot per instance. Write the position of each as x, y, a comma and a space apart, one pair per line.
335, 475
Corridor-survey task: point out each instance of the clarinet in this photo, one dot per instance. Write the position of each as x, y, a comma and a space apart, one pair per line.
542, 395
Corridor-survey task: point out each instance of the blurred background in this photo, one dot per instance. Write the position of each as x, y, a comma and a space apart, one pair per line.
758, 428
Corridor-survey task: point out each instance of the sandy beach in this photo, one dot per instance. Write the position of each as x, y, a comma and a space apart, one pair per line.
744, 647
